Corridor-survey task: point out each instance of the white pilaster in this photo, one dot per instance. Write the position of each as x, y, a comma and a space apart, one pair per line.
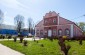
58, 18
71, 32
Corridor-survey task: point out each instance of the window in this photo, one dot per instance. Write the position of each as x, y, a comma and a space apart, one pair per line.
54, 21
67, 32
37, 30
45, 31
54, 32
59, 32
45, 21
41, 32
37, 33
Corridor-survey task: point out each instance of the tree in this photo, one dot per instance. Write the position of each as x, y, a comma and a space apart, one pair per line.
30, 25
19, 22
82, 25
33, 27
65, 48
1, 20
1, 17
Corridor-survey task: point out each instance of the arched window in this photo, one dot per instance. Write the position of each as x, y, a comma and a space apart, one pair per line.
54, 32
45, 32
67, 32
59, 32
41, 32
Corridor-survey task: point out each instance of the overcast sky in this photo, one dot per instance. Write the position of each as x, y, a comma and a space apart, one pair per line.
36, 9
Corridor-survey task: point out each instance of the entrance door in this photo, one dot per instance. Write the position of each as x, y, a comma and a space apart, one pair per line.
49, 33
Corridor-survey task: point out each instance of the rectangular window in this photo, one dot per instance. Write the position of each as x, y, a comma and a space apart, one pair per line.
45, 21
54, 21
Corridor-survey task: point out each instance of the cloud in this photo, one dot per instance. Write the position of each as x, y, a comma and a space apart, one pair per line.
14, 4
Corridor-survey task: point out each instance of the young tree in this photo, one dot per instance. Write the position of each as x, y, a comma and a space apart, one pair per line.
19, 22
1, 20
1, 17
30, 25
34, 31
65, 48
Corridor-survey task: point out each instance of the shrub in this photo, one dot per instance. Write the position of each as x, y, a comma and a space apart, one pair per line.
80, 42
9, 37
64, 37
21, 38
37, 41
0, 37
50, 38
15, 39
41, 45
45, 36
25, 43
3, 37
34, 40
64, 48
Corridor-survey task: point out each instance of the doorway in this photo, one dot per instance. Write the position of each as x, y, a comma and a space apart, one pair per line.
49, 33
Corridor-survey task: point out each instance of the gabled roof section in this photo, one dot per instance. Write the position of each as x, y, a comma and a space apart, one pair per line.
40, 24
63, 21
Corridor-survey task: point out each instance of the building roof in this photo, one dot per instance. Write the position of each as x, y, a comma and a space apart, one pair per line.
4, 26
50, 14
40, 24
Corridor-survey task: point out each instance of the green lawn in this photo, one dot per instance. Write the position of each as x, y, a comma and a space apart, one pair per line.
50, 48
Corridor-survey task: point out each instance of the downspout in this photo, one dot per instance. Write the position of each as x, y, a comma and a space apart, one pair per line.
58, 24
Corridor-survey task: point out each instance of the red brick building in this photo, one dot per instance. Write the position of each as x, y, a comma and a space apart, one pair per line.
55, 25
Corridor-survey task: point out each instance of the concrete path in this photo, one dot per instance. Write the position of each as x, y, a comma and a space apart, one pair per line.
7, 51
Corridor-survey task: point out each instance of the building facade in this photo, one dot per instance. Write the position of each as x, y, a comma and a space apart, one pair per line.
55, 25
11, 30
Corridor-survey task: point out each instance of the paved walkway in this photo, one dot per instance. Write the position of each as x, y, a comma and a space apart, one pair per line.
7, 51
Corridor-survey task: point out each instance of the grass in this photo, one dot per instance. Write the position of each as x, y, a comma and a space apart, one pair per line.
50, 48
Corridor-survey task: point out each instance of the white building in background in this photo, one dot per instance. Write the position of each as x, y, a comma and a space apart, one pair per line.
10, 27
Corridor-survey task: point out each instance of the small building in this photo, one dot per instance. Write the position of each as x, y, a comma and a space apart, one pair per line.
55, 25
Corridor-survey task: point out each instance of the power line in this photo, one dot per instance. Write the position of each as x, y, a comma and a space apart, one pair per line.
78, 17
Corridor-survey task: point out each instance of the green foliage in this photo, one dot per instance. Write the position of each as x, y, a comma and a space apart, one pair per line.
81, 25
50, 48
1, 37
